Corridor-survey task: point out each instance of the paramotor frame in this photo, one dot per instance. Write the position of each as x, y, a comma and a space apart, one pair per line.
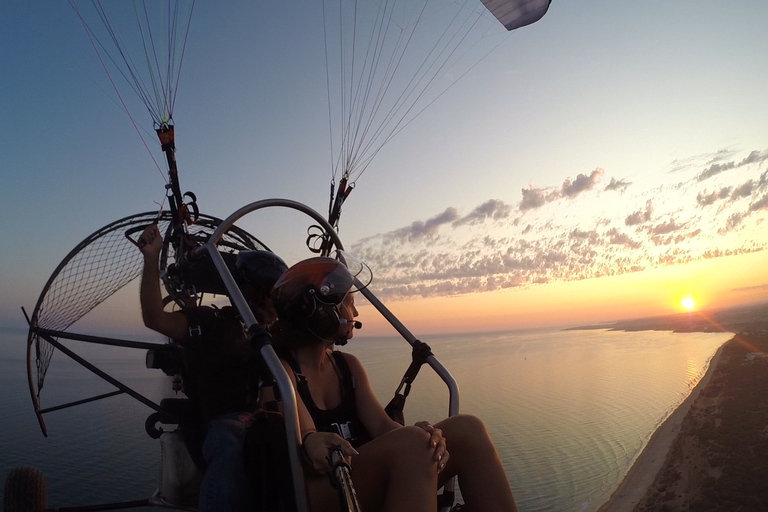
94, 270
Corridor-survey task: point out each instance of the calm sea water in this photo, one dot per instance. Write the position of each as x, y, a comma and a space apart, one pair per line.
569, 411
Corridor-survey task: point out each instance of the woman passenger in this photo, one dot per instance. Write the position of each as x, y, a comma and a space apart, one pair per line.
394, 468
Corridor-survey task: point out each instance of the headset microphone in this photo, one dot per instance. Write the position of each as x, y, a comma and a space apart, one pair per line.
355, 323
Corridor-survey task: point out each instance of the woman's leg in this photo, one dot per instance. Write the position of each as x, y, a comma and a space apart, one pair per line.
474, 460
393, 473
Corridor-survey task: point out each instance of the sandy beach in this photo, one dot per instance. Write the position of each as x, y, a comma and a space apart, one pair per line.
710, 453
645, 468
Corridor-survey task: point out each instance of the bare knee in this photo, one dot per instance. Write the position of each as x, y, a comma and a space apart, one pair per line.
465, 431
403, 450
468, 422
463, 425
405, 442
414, 440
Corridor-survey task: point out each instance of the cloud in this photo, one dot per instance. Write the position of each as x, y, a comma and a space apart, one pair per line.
751, 288
736, 219
706, 199
640, 216
619, 238
693, 161
420, 229
572, 188
717, 168
760, 204
722, 154
492, 209
665, 227
583, 235
565, 242
538, 197
755, 157
733, 222
620, 185
535, 198
745, 190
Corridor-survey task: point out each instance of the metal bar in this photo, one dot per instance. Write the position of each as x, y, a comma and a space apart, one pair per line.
269, 203
432, 361
79, 402
290, 407
283, 381
96, 339
437, 366
119, 385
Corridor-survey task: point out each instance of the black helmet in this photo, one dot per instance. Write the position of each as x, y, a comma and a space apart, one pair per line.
260, 268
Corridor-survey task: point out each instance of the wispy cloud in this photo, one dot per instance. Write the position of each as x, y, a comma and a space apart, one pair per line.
751, 288
755, 157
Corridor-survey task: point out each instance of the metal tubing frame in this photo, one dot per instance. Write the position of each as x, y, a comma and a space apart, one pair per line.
437, 366
99, 340
105, 376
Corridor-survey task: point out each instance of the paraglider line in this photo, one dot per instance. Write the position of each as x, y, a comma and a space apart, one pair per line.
114, 86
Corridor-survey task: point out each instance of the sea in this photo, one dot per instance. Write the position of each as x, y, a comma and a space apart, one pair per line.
568, 411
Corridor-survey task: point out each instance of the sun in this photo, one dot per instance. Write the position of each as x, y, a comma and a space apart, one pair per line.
688, 303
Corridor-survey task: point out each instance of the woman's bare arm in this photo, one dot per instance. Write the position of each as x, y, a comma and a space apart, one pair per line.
316, 445
369, 408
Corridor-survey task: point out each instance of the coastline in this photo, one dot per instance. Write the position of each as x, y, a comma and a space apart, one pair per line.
641, 475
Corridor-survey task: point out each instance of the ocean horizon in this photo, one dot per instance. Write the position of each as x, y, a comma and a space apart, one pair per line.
568, 411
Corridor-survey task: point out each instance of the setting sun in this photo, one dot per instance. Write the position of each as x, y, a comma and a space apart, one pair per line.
688, 303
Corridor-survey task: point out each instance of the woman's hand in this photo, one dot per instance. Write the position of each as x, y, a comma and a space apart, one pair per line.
317, 448
436, 441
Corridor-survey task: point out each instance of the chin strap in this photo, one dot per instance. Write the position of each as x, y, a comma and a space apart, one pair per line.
340, 340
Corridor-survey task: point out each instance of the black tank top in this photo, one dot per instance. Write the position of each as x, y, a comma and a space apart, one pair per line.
342, 419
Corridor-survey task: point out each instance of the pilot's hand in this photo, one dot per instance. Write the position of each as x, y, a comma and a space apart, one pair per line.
151, 241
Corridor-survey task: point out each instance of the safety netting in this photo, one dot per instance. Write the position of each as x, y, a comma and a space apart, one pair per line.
102, 264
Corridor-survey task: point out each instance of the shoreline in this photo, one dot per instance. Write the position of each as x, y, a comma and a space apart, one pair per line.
641, 475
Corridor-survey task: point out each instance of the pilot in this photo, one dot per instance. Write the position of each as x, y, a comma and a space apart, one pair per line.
217, 375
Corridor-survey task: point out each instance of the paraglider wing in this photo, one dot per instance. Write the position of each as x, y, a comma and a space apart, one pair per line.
517, 13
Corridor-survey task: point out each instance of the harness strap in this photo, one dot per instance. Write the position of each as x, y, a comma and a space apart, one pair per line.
394, 409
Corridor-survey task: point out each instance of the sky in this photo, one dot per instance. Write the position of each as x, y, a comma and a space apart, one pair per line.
600, 164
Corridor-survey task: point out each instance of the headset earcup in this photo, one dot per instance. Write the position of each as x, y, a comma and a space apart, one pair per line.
298, 310
324, 320
306, 311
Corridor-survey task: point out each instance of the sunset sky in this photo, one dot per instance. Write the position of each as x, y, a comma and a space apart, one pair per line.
603, 163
